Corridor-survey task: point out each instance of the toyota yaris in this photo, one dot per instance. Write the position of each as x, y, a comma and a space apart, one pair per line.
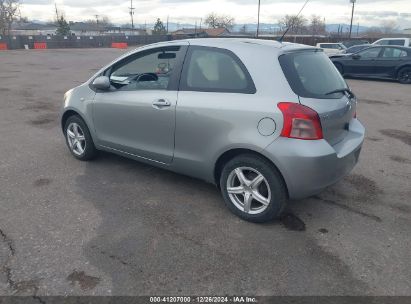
264, 121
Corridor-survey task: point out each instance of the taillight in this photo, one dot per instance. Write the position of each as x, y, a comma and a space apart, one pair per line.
300, 122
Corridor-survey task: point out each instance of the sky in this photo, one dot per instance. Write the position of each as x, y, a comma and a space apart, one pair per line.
368, 12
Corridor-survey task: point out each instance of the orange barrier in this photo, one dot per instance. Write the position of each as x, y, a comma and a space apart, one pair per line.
40, 45
3, 46
119, 45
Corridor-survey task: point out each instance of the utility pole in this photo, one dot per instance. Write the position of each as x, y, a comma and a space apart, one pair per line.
258, 19
132, 14
167, 23
352, 15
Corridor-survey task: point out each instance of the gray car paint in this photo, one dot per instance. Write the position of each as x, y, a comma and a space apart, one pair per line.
199, 127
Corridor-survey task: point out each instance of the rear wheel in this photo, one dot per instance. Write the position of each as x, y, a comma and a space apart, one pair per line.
339, 68
253, 189
78, 139
404, 75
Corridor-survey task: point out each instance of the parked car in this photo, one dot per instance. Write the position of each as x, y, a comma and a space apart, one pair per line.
351, 50
265, 121
394, 41
350, 43
356, 48
386, 62
332, 48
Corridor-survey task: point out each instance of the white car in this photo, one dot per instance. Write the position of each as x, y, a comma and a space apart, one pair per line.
394, 41
332, 48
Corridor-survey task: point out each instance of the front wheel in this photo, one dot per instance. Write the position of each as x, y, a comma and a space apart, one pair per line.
78, 139
253, 189
404, 75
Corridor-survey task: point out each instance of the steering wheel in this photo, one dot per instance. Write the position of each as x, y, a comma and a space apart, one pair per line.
146, 77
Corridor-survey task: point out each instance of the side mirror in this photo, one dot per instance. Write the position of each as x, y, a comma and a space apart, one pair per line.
102, 83
356, 57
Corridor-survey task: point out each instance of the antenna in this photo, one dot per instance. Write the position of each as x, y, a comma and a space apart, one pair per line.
292, 23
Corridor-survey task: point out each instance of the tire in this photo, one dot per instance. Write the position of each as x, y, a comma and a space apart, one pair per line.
78, 139
404, 75
272, 189
339, 68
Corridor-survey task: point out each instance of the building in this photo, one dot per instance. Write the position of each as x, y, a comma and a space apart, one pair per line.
76, 29
201, 33
217, 32
33, 29
407, 31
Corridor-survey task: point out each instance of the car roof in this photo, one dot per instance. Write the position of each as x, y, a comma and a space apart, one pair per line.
393, 38
236, 43
405, 48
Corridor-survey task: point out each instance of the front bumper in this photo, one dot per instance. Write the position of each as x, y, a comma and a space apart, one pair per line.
310, 166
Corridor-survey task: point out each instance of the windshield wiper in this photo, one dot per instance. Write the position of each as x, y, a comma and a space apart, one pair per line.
342, 90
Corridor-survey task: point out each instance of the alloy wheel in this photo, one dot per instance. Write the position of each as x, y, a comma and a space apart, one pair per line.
248, 190
76, 139
405, 75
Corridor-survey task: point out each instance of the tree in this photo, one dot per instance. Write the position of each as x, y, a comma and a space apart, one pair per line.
219, 21
9, 12
104, 21
389, 27
159, 28
63, 28
317, 25
296, 24
374, 32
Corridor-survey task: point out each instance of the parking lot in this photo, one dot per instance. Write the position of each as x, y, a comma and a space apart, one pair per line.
118, 227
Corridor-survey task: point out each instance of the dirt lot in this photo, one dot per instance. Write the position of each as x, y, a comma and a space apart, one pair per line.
117, 227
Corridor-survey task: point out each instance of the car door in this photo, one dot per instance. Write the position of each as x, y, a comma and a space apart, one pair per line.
362, 63
214, 108
137, 115
389, 59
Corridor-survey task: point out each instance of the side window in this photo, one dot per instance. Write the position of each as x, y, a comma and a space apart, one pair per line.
148, 70
370, 53
215, 70
383, 42
394, 53
397, 42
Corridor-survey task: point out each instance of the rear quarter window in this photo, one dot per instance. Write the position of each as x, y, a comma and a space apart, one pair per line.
311, 74
209, 69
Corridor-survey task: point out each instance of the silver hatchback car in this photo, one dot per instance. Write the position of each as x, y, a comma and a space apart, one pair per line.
264, 121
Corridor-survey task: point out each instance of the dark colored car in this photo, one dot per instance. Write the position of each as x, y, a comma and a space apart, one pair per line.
386, 62
351, 43
356, 48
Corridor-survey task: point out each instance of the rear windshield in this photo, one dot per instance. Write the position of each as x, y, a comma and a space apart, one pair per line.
311, 74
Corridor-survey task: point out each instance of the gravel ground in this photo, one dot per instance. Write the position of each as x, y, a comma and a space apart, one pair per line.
118, 227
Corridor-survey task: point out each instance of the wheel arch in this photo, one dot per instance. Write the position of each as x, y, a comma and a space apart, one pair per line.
230, 154
398, 69
71, 112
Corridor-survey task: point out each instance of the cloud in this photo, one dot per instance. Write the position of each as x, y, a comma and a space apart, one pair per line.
368, 12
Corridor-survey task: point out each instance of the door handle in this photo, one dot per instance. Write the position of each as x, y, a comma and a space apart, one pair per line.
161, 103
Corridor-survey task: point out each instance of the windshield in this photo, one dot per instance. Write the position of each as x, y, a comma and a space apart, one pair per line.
311, 74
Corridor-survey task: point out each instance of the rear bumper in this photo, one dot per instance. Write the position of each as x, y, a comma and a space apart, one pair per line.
310, 166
